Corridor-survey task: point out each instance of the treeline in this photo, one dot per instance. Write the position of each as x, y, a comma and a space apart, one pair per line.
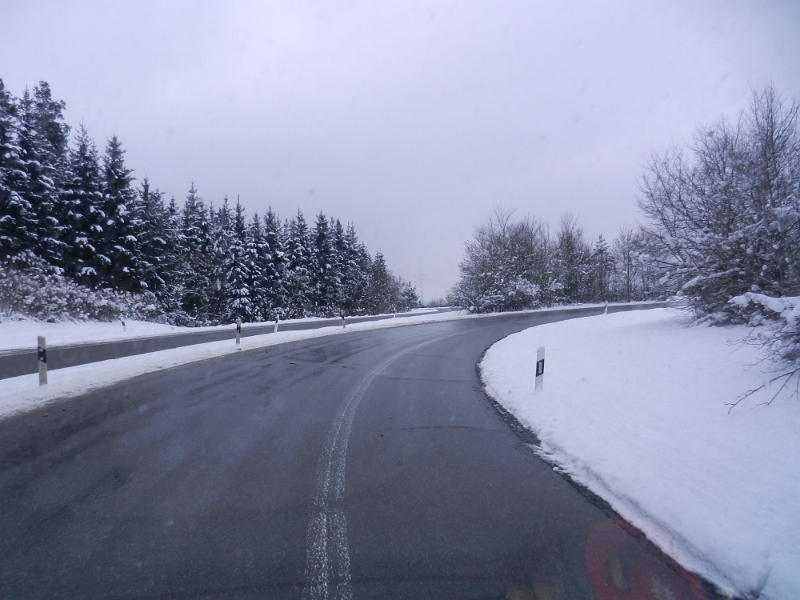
722, 232
514, 265
75, 218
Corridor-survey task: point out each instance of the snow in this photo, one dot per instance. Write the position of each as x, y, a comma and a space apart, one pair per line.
21, 334
788, 307
636, 408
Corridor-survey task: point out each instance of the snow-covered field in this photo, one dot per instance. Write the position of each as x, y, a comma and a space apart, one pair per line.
635, 408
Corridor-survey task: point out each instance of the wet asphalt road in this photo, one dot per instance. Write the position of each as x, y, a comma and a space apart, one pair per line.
24, 361
369, 465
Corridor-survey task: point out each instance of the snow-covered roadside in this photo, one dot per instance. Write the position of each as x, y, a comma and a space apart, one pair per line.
23, 394
634, 408
21, 334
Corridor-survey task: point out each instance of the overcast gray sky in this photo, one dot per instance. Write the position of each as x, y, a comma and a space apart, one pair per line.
410, 119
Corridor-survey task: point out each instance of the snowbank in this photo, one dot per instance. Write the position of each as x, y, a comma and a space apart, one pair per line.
634, 407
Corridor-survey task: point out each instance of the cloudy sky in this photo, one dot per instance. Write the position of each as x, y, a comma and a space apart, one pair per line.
410, 119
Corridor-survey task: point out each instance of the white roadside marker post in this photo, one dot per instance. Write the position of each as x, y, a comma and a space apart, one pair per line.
344, 323
238, 331
276, 326
123, 327
41, 356
540, 369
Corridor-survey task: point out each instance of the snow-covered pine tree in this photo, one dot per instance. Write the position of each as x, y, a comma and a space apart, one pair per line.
18, 224
172, 266
221, 223
238, 269
43, 142
383, 292
602, 267
83, 216
337, 295
123, 226
197, 261
356, 267
256, 248
273, 260
154, 239
299, 266
326, 278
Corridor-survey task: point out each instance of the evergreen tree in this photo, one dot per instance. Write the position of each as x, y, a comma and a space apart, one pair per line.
18, 222
155, 240
382, 287
299, 266
239, 268
173, 266
256, 249
326, 277
43, 142
197, 263
221, 223
84, 218
337, 295
273, 263
63, 209
121, 251
602, 268
356, 267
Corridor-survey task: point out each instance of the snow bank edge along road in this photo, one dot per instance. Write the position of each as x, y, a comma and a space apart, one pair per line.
634, 408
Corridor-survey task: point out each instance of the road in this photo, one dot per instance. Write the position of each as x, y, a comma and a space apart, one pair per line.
24, 361
368, 465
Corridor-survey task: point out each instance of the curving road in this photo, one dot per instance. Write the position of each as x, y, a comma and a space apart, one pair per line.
368, 465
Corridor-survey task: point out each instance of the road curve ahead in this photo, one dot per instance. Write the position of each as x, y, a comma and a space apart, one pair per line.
368, 465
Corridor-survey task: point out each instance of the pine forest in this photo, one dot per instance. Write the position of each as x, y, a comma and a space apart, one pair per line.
80, 238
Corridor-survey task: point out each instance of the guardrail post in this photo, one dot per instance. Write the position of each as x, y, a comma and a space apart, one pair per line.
238, 331
41, 356
540, 369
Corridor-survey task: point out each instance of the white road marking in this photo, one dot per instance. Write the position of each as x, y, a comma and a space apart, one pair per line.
327, 572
